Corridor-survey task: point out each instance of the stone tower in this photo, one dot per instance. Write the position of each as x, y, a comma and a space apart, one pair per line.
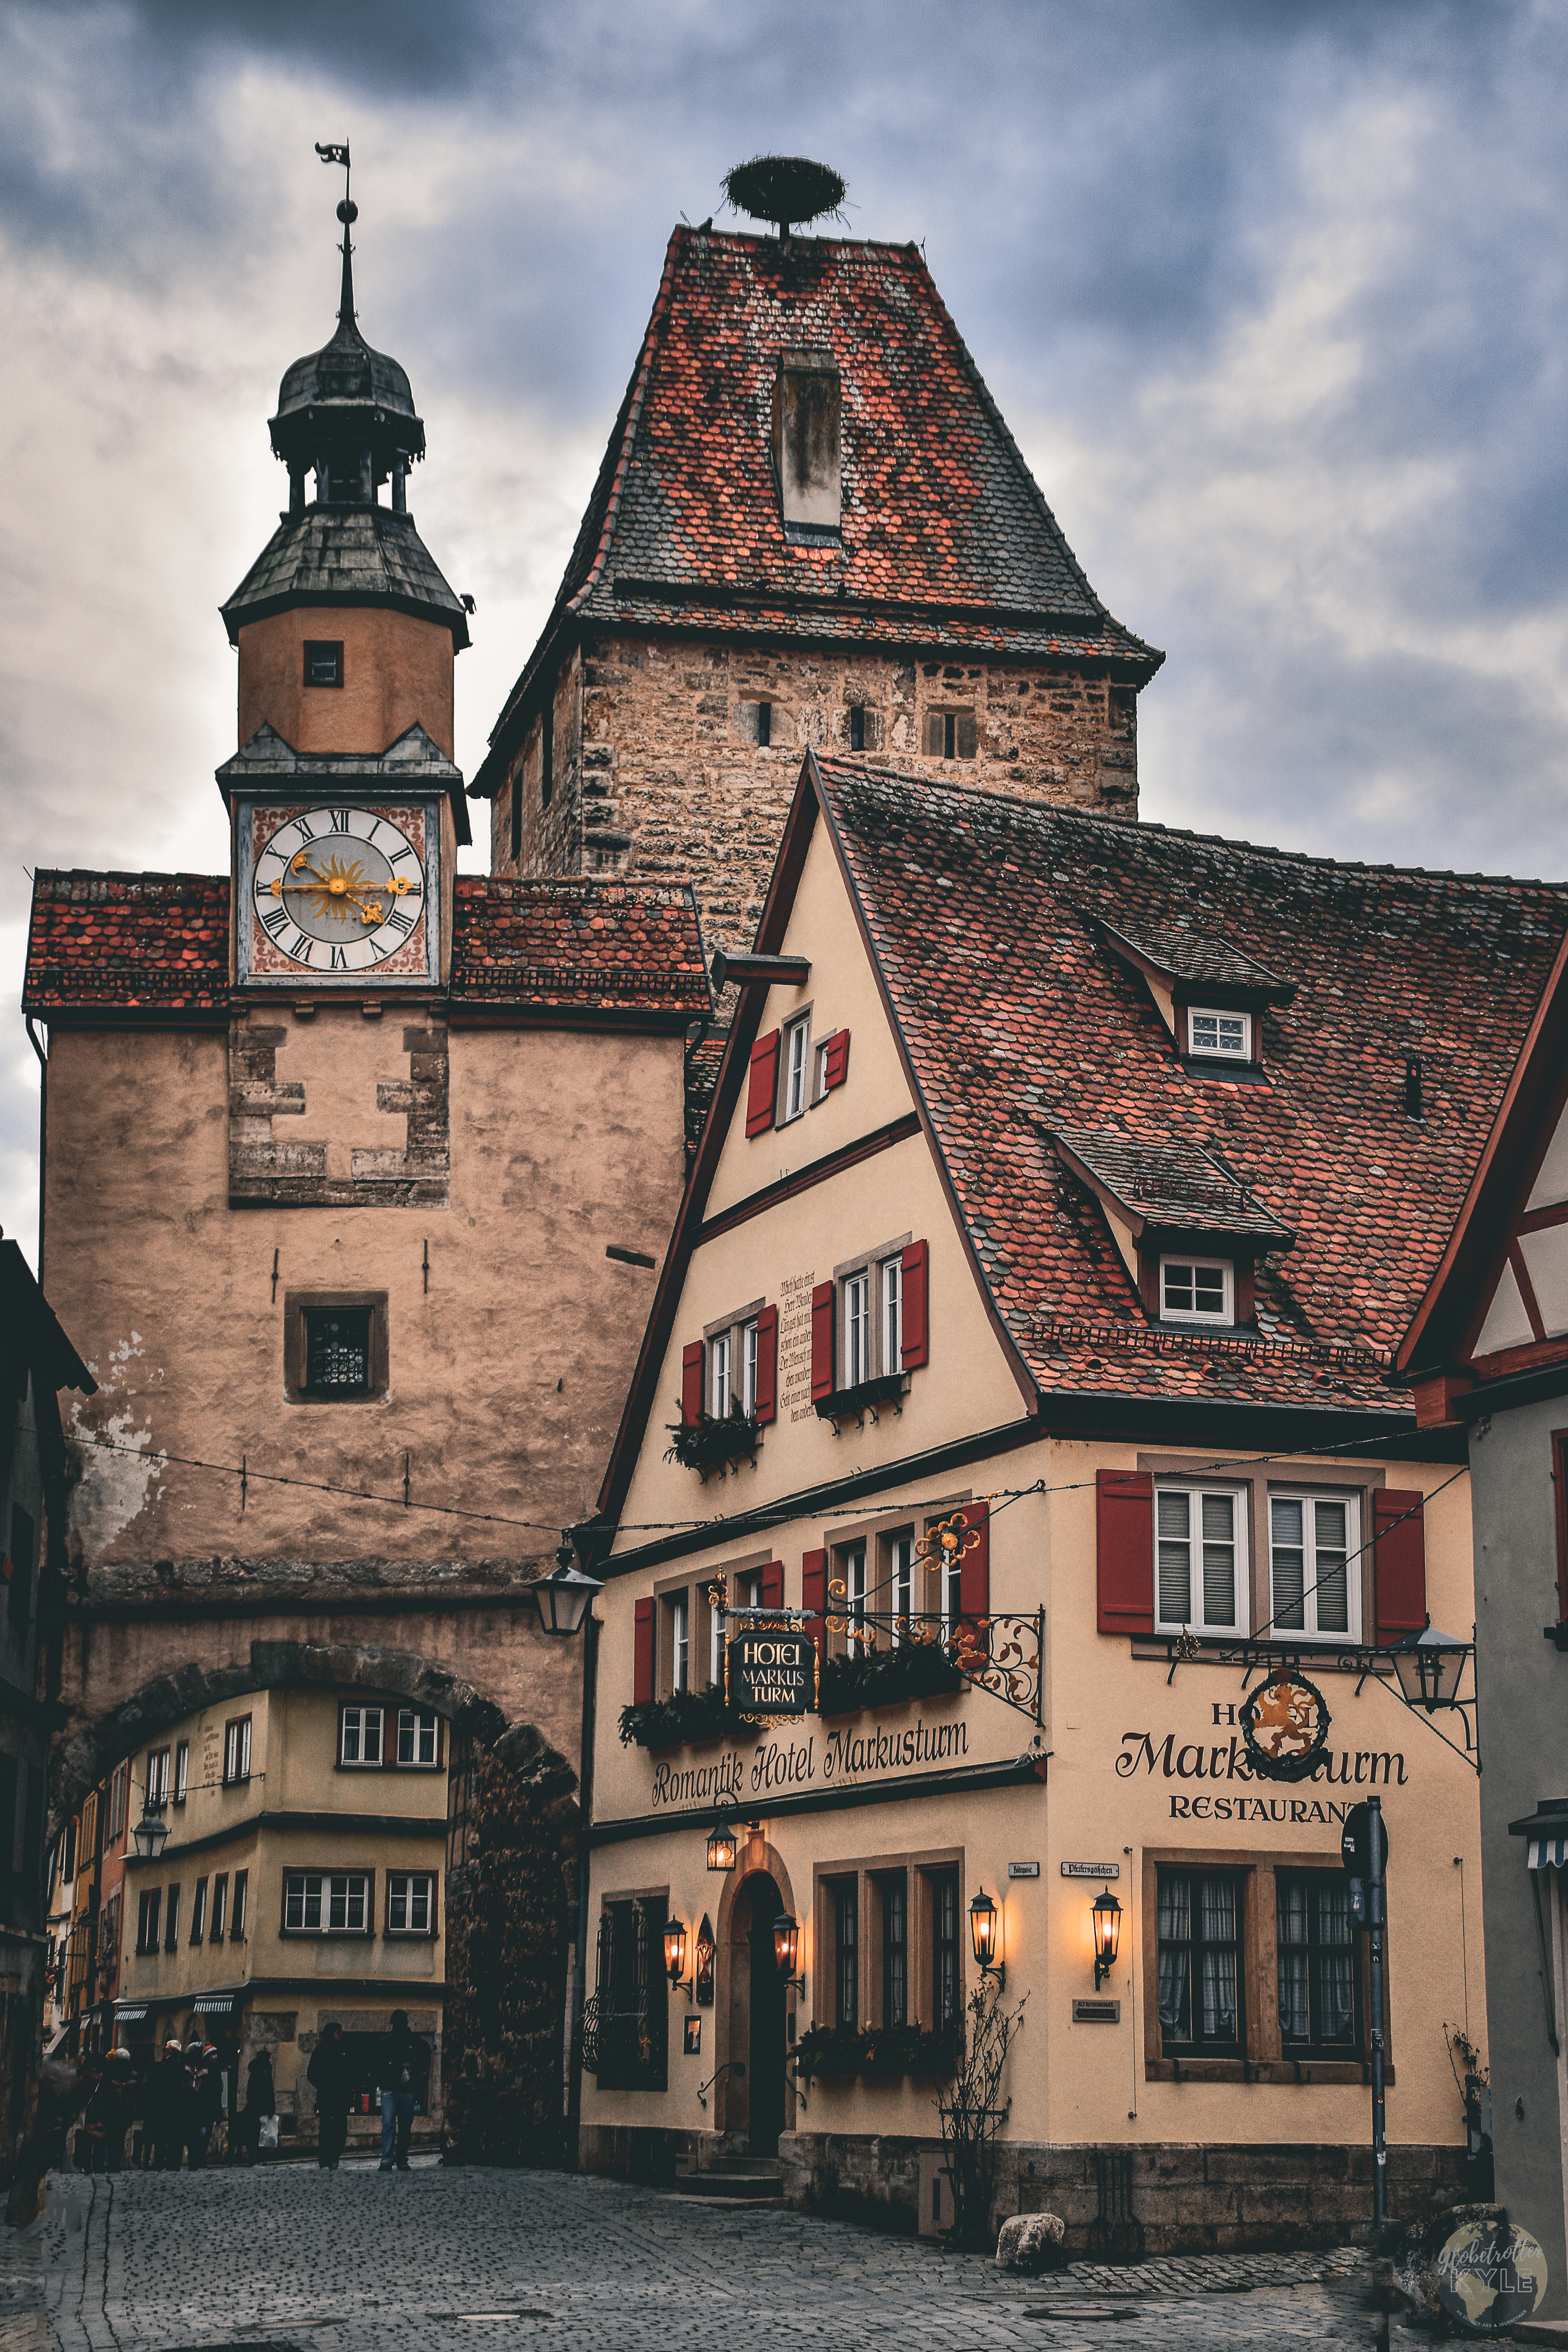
811, 526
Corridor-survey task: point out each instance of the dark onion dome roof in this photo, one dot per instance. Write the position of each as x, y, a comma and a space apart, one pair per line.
346, 555
346, 391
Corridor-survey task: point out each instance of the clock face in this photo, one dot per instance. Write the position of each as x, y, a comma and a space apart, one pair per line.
338, 891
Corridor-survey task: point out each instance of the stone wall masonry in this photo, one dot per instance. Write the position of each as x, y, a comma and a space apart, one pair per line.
658, 772
1190, 2198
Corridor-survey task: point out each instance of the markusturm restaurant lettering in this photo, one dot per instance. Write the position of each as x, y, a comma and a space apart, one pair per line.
1228, 1760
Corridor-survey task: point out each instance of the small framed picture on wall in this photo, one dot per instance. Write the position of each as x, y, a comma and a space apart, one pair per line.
693, 2036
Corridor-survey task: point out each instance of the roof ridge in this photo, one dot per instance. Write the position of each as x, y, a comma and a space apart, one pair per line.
120, 874
1059, 813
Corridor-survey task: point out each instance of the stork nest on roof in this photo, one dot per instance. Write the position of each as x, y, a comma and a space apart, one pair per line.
790, 190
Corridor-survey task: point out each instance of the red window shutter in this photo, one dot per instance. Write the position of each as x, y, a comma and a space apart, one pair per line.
772, 1585
1399, 1553
836, 1060
642, 1657
762, 1084
822, 1305
917, 1286
767, 1364
691, 1384
814, 1598
975, 1567
1125, 1551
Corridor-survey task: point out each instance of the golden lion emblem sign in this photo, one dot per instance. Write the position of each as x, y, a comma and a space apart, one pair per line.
1284, 1724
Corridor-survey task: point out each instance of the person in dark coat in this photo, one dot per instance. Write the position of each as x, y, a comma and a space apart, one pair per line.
260, 2099
167, 2092
113, 2107
400, 2069
199, 2095
329, 2071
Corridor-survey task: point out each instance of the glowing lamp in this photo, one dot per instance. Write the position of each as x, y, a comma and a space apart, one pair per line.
721, 1846
984, 1925
1106, 1913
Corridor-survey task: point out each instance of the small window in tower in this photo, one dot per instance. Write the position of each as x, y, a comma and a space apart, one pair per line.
335, 1345
950, 735
856, 727
765, 724
547, 757
323, 662
337, 1351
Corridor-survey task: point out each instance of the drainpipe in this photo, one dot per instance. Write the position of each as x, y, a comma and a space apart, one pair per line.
43, 1133
585, 1814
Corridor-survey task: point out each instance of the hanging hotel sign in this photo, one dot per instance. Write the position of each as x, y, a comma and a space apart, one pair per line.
1285, 1725
770, 1673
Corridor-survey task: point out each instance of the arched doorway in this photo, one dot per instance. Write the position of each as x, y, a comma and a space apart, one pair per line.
757, 2009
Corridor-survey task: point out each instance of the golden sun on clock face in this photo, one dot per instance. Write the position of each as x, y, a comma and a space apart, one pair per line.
339, 891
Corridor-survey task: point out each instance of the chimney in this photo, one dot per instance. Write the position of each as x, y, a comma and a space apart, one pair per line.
807, 450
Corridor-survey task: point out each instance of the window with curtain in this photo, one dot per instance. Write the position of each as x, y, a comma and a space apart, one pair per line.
944, 1950
1320, 2008
1200, 1929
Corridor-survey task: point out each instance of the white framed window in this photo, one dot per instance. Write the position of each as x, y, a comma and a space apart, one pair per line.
182, 1774
719, 1376
902, 1567
950, 1592
1222, 1035
326, 1903
749, 1346
411, 1903
819, 1071
1197, 1290
236, 1750
796, 1064
681, 1641
857, 1329
157, 1776
892, 1289
1314, 1579
360, 1743
1200, 1560
418, 1737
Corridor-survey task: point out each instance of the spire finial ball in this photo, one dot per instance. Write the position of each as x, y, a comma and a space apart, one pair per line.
348, 212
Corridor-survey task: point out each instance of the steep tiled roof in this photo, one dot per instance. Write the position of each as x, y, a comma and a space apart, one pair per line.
604, 946
157, 945
1171, 1186
346, 555
1182, 953
985, 915
946, 539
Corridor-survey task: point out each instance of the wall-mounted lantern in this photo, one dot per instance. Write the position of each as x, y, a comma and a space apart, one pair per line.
1429, 1666
786, 1949
983, 1930
1106, 1913
705, 1950
721, 1846
675, 1955
562, 1599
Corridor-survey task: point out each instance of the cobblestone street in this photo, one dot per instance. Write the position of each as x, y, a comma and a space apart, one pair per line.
358, 2260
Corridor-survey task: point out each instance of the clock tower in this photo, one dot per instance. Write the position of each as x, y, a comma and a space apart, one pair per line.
345, 806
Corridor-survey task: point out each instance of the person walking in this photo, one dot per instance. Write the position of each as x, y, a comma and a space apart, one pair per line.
112, 2106
260, 2099
194, 2124
399, 2071
329, 2071
166, 2096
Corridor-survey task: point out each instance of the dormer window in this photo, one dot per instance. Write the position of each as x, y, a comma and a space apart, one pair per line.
807, 450
1197, 1290
1219, 1036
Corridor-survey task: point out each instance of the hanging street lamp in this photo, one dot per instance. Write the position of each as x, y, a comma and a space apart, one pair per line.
675, 1955
721, 1845
786, 1949
562, 1599
1429, 1666
151, 1831
1106, 1913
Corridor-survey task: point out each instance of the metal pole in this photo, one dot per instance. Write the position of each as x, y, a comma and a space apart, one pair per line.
1377, 1920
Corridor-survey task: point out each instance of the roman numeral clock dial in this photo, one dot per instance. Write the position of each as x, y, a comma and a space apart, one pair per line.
338, 891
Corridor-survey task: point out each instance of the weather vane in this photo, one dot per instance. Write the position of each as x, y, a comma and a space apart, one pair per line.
347, 212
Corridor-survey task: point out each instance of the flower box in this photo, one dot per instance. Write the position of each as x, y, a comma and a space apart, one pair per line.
878, 1677
688, 1716
711, 1442
838, 2052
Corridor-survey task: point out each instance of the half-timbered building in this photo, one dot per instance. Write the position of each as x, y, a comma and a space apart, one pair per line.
1028, 1346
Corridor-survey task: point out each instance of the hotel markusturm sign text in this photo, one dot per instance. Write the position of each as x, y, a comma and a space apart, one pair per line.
1216, 1776
821, 1759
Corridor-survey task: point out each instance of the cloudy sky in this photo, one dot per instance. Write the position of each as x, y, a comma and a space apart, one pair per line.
1272, 292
